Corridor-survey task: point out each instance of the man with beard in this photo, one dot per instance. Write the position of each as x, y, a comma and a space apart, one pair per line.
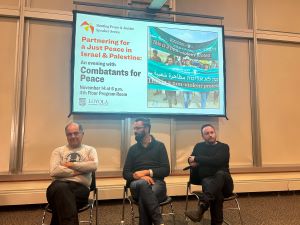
145, 168
210, 165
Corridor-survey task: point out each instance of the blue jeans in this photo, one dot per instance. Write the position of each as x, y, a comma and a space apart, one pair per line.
149, 197
187, 98
203, 97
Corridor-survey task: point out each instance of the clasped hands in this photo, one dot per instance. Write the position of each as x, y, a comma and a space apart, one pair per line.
145, 175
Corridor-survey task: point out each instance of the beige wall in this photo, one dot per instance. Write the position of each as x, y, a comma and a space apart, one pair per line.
261, 83
278, 88
278, 15
233, 11
47, 90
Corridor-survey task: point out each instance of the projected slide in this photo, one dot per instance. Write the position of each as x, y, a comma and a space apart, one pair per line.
121, 65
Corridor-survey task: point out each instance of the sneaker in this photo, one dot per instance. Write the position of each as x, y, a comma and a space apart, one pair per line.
196, 215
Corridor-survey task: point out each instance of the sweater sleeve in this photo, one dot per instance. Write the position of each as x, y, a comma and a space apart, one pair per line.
221, 158
194, 152
56, 169
164, 166
127, 169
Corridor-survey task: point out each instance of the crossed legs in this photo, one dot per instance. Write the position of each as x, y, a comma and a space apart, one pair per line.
64, 198
215, 188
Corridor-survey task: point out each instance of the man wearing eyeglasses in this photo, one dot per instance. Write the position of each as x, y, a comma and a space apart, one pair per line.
145, 168
71, 168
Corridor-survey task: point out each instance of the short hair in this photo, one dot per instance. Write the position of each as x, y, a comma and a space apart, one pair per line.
146, 122
79, 126
155, 51
207, 125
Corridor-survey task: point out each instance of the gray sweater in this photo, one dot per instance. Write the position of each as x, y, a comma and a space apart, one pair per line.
85, 161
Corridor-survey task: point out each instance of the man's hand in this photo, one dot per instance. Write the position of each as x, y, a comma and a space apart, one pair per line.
148, 179
141, 173
194, 164
75, 173
191, 159
68, 164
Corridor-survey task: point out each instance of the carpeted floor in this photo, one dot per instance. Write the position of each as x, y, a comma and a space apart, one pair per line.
257, 209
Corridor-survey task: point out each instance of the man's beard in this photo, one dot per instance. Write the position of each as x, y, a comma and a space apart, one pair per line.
211, 141
139, 137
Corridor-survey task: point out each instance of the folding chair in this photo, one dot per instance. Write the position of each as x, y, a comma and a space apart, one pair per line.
132, 202
194, 180
92, 203
233, 197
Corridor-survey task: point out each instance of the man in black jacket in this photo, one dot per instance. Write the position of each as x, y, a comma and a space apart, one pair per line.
145, 168
210, 162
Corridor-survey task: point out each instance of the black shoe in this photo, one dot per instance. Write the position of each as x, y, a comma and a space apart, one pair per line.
193, 215
196, 215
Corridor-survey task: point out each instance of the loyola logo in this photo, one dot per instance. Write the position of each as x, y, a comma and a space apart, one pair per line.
87, 26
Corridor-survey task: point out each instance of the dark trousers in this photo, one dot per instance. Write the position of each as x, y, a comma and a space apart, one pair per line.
149, 197
65, 197
215, 188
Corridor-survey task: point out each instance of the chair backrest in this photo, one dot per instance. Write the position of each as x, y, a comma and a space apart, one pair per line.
93, 184
194, 176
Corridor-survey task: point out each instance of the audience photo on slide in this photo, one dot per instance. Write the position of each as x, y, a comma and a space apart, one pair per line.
182, 74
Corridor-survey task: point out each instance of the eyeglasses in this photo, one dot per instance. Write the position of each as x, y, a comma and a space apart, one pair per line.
138, 128
76, 134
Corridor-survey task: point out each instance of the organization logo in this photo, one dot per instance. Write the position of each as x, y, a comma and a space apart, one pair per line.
73, 157
88, 27
82, 101
100, 102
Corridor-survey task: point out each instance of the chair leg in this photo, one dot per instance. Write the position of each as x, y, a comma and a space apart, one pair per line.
91, 215
172, 211
96, 206
123, 210
44, 216
226, 222
239, 209
187, 198
132, 214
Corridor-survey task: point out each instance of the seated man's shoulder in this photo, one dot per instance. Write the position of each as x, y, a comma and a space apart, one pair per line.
88, 147
159, 143
61, 148
200, 144
223, 144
